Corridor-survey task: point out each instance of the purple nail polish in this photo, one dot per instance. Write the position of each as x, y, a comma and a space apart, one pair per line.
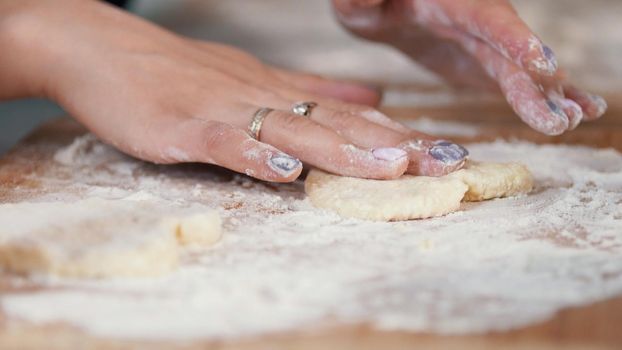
600, 103
283, 164
573, 111
389, 154
554, 107
448, 152
550, 56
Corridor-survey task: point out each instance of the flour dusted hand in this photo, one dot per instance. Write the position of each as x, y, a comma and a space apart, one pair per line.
478, 44
416, 197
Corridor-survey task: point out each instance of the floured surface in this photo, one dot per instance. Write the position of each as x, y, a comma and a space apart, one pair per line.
283, 265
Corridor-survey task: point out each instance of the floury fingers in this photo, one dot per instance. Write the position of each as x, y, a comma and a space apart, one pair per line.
434, 158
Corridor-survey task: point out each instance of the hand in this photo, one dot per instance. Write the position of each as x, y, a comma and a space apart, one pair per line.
168, 99
478, 43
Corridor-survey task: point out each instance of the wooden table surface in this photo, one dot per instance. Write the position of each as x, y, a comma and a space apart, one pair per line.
598, 326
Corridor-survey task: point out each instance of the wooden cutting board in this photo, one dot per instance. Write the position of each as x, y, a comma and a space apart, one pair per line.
598, 326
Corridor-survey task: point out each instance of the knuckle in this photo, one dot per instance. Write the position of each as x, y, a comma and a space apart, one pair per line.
215, 135
292, 123
344, 120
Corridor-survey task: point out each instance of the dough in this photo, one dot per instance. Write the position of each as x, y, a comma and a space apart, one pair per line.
494, 180
99, 238
201, 229
409, 197
415, 197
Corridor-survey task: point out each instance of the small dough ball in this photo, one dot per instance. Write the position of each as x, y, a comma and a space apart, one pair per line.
494, 180
409, 197
202, 229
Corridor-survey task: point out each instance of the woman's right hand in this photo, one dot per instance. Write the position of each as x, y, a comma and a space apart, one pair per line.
168, 99
478, 44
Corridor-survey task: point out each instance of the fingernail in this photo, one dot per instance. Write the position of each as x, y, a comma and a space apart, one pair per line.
555, 108
601, 104
284, 164
375, 88
546, 61
550, 57
573, 112
448, 152
389, 154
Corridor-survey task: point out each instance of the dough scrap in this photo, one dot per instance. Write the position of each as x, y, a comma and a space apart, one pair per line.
98, 238
416, 197
494, 180
202, 229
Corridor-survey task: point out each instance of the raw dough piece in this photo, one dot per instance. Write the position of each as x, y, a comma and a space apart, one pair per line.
201, 229
416, 197
494, 180
98, 238
409, 197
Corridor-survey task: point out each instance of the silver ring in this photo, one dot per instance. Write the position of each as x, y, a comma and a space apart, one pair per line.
304, 109
255, 126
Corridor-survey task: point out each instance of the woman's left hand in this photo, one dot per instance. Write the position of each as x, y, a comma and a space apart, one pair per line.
478, 43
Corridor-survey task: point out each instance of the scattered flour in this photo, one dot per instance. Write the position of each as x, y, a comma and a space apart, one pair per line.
284, 265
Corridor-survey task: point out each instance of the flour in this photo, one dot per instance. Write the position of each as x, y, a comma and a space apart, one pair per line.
283, 265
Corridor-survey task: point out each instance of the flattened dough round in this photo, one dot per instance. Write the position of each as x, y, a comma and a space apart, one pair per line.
416, 197
99, 238
409, 197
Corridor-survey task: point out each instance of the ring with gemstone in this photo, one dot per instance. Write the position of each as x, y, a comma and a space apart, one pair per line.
254, 129
304, 109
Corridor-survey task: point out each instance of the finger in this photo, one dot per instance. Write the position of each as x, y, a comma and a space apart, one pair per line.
325, 149
340, 90
427, 156
367, 3
497, 24
593, 106
197, 140
359, 15
371, 114
519, 86
571, 108
369, 128
527, 98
